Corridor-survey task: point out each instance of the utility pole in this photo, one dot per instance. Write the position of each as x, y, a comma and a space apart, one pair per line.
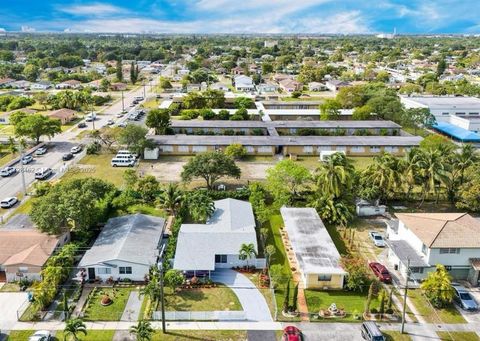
162, 297
405, 296
123, 103
144, 93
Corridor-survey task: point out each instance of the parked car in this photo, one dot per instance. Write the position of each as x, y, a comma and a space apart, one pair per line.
371, 332
110, 122
41, 335
132, 105
7, 171
27, 159
8, 202
67, 156
76, 149
122, 124
377, 239
43, 173
120, 114
127, 162
463, 298
381, 272
292, 333
41, 151
82, 125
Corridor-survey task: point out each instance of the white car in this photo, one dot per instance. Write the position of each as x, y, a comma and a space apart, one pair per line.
76, 149
377, 239
27, 159
119, 114
110, 122
8, 202
41, 335
122, 124
41, 151
43, 173
7, 171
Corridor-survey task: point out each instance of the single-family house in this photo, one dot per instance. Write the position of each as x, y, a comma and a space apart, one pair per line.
25, 250
220, 86
21, 84
125, 249
64, 115
335, 84
5, 82
316, 256
426, 239
238, 70
118, 86
202, 248
316, 86
243, 83
266, 87
194, 87
42, 85
290, 85
70, 84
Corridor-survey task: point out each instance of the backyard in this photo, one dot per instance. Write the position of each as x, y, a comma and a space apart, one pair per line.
94, 310
202, 299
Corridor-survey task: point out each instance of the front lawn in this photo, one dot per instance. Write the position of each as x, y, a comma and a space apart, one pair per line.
205, 299
395, 336
200, 335
458, 336
431, 315
19, 335
113, 312
352, 302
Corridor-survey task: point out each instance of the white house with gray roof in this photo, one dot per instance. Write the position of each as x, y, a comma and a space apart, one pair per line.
202, 248
126, 248
316, 255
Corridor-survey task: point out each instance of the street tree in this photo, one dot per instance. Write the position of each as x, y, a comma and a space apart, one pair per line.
143, 331
158, 119
35, 126
438, 287
73, 327
173, 279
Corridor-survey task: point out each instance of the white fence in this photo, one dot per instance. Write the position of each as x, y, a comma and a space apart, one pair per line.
200, 315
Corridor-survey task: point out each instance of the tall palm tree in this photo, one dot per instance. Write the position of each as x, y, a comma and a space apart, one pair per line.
247, 251
74, 327
331, 210
201, 206
384, 174
171, 198
12, 145
408, 167
432, 166
335, 175
467, 157
143, 331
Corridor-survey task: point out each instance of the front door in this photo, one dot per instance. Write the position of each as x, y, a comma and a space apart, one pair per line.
91, 273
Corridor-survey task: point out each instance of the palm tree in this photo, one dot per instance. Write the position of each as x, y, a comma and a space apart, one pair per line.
143, 331
72, 328
467, 157
431, 164
201, 206
408, 167
171, 198
247, 251
331, 210
335, 175
383, 173
12, 145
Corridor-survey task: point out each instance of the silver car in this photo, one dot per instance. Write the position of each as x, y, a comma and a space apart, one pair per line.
463, 298
377, 239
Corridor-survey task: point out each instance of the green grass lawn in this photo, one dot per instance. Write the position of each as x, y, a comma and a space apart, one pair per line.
6, 158
151, 104
205, 299
431, 315
24, 208
458, 336
395, 336
352, 302
97, 166
112, 312
20, 335
144, 209
6, 129
201, 335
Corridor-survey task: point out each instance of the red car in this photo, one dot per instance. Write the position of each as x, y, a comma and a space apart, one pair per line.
381, 272
292, 333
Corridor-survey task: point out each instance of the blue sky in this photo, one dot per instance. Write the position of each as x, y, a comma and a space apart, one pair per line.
243, 16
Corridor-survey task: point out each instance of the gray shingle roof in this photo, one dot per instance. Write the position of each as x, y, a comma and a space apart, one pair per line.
404, 252
284, 124
231, 225
131, 238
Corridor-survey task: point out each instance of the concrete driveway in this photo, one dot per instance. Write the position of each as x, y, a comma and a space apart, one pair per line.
10, 302
251, 299
471, 316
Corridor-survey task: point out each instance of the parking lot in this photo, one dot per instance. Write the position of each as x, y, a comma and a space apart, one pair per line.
10, 302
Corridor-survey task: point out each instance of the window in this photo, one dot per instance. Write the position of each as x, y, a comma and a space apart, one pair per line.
460, 113
445, 113
416, 270
324, 278
220, 258
473, 113
183, 149
199, 149
424, 249
104, 271
375, 149
250, 149
125, 270
448, 250
308, 149
166, 148
23, 269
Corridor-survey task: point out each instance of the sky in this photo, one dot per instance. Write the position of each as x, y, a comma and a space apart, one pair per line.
243, 16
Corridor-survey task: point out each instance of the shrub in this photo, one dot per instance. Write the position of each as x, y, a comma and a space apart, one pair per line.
236, 150
257, 132
223, 115
236, 118
207, 114
93, 148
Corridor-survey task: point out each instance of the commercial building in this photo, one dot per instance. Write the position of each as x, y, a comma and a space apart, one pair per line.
317, 257
444, 107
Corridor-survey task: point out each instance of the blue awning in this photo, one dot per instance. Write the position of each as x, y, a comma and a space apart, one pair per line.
456, 132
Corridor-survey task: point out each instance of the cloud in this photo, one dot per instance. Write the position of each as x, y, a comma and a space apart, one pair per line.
2, 29
94, 9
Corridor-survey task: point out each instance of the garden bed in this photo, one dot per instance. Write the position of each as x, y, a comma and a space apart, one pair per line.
95, 311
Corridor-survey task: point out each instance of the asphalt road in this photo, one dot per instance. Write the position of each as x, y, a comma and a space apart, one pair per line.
61, 144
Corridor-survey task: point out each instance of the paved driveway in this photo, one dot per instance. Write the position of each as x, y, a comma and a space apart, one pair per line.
10, 302
471, 316
252, 300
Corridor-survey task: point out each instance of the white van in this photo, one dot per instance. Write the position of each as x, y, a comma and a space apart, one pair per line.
43, 173
125, 157
126, 152
118, 162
